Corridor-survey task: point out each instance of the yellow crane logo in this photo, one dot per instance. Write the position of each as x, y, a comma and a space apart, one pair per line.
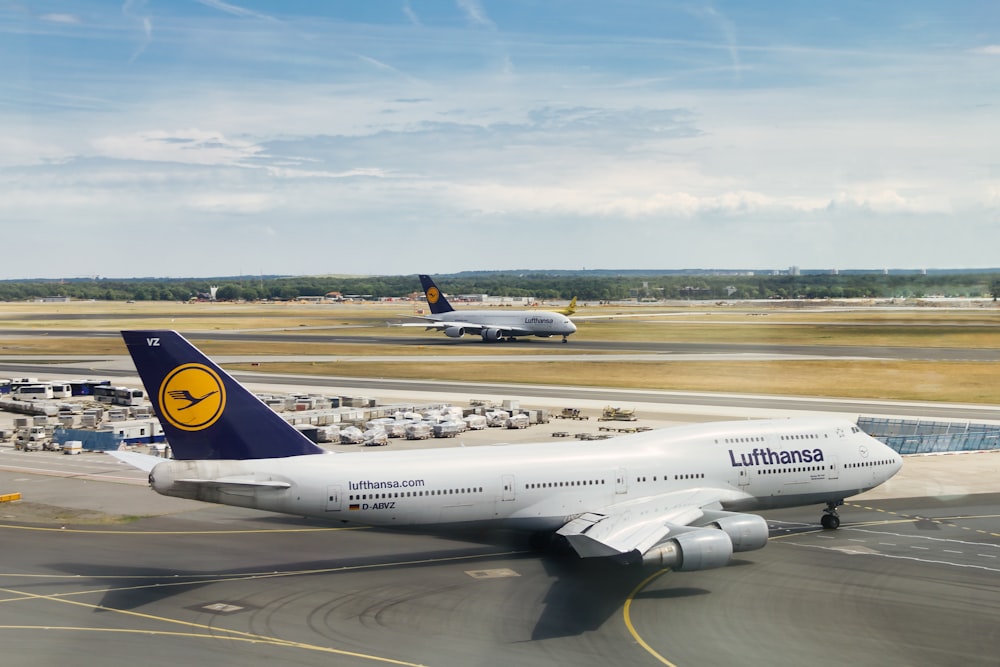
192, 397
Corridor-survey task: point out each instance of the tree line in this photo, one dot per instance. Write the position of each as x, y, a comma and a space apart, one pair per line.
600, 286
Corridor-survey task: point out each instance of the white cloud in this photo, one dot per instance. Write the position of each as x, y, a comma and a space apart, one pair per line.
65, 19
190, 146
19, 151
233, 202
292, 173
991, 50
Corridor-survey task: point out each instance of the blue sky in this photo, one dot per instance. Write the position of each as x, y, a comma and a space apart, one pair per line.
206, 138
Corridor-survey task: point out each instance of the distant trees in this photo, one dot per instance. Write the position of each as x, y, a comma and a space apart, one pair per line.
995, 289
586, 286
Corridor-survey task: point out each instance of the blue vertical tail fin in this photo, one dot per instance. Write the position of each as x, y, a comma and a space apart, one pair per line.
205, 413
435, 299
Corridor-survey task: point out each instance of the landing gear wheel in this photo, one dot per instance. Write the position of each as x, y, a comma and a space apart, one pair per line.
831, 520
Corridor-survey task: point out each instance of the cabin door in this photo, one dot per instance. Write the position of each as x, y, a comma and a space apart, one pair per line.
333, 499
621, 481
507, 484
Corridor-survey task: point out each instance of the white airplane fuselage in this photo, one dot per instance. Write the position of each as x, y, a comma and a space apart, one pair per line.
540, 323
540, 487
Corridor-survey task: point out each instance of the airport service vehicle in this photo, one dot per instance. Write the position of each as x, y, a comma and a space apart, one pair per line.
32, 439
492, 325
33, 392
676, 497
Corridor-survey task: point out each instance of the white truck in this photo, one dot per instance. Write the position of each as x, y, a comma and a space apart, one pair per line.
32, 439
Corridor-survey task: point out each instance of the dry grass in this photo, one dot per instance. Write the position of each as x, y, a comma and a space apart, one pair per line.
779, 325
965, 382
906, 332
69, 344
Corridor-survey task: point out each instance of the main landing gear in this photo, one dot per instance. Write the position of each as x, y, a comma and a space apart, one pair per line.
830, 519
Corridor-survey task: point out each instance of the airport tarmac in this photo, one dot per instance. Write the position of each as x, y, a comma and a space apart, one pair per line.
910, 581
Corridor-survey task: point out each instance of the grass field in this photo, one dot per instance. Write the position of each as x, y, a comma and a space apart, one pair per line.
963, 382
973, 327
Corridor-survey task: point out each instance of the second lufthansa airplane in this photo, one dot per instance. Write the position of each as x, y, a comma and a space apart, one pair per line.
492, 325
677, 497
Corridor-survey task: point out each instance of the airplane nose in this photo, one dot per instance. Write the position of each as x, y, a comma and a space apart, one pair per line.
896, 461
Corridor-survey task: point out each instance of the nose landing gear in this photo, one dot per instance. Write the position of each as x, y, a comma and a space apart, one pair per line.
830, 519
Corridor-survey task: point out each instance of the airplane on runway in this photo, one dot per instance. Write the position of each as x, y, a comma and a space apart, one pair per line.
492, 325
674, 497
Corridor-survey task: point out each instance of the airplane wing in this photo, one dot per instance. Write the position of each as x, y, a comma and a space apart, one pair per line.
469, 327
638, 525
621, 315
433, 323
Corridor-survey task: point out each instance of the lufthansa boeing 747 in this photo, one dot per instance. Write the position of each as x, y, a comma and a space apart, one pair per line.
492, 325
677, 497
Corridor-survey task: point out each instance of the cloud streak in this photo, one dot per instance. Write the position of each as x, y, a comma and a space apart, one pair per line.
235, 10
133, 9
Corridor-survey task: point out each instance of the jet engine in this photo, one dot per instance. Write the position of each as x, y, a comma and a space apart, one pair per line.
747, 532
696, 549
454, 332
491, 334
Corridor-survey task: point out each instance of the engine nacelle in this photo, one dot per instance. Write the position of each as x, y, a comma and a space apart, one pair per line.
747, 532
491, 334
454, 332
698, 549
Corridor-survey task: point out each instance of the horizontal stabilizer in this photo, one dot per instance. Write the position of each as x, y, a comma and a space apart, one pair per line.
143, 462
236, 482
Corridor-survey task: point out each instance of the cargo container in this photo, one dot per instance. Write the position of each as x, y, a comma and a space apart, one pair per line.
475, 422
351, 435
375, 437
418, 431
448, 429
517, 421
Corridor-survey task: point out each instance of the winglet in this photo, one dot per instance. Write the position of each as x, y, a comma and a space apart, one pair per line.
205, 413
435, 299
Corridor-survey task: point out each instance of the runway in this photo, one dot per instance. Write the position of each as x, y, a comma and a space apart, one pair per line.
903, 582
333, 336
